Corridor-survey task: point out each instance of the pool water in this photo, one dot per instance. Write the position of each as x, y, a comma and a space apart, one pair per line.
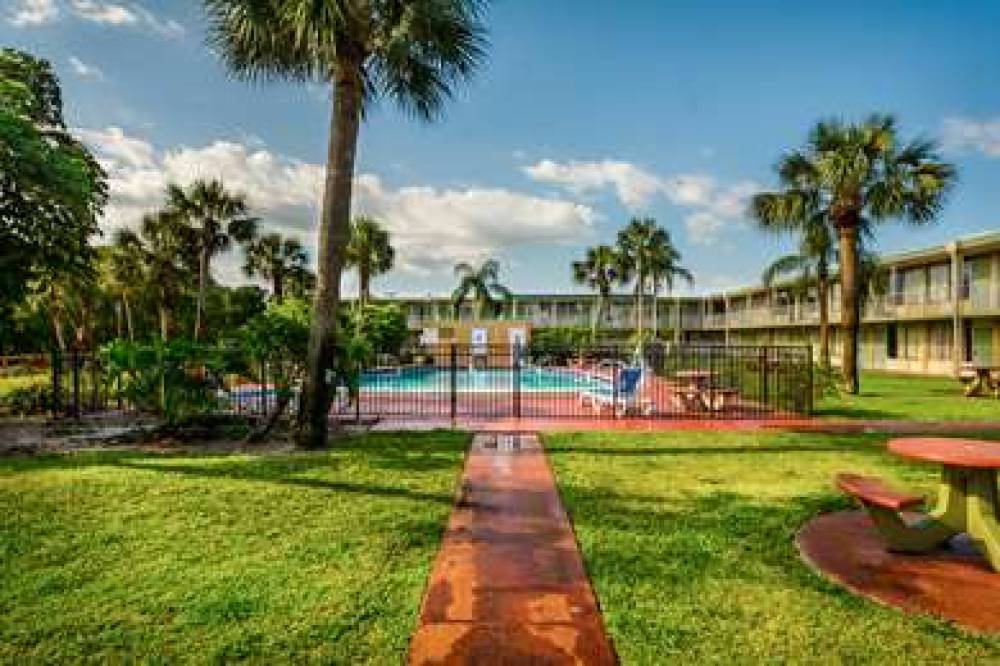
432, 380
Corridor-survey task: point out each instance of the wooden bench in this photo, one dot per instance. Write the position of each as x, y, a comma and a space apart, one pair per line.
885, 506
873, 491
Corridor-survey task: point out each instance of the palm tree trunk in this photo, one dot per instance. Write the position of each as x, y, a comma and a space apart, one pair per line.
847, 230
57, 330
202, 282
128, 317
278, 285
364, 278
334, 229
164, 323
823, 293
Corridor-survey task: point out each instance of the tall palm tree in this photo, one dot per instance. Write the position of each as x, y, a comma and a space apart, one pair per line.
664, 268
861, 175
640, 243
126, 272
218, 218
600, 269
482, 284
370, 252
412, 52
168, 247
277, 259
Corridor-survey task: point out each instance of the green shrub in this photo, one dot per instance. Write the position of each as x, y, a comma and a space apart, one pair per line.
27, 400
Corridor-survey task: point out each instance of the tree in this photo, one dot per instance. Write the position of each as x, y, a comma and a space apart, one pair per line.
664, 268
600, 269
217, 219
482, 283
124, 265
280, 260
370, 252
796, 211
648, 255
52, 190
412, 52
167, 249
862, 175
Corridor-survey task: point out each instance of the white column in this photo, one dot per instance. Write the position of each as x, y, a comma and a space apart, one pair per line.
957, 338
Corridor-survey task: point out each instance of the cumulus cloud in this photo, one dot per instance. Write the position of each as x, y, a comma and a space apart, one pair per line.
85, 71
432, 227
116, 14
712, 206
965, 135
32, 12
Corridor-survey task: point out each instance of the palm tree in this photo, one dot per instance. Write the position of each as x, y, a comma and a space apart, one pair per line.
370, 252
125, 267
217, 218
482, 283
644, 245
664, 267
168, 247
600, 270
861, 175
280, 260
412, 52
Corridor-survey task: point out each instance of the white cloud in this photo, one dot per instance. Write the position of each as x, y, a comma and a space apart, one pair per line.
115, 14
964, 135
32, 12
432, 227
85, 71
713, 207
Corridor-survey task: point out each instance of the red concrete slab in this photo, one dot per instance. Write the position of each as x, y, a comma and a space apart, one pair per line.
509, 585
955, 584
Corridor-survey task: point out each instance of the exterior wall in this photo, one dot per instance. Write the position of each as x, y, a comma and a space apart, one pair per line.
942, 308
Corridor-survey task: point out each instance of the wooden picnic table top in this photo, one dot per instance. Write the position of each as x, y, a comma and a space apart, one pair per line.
949, 451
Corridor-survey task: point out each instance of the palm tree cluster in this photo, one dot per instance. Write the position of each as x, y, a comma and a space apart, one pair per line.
848, 179
482, 284
644, 256
147, 279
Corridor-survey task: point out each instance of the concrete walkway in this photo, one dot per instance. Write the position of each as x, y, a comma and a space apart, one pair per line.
509, 586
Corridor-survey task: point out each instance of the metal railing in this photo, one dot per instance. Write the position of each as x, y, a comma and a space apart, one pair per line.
665, 381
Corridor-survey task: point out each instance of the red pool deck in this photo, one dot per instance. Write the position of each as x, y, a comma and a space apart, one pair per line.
509, 585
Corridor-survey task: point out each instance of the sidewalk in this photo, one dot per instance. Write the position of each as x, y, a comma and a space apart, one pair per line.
509, 585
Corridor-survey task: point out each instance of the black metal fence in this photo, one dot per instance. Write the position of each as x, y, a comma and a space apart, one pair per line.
663, 381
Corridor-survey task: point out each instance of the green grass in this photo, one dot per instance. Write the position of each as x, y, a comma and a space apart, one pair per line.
908, 397
14, 382
688, 539
298, 557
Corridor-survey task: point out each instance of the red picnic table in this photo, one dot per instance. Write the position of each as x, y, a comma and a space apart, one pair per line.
967, 495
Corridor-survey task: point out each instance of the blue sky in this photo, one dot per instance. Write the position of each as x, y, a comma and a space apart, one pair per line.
586, 113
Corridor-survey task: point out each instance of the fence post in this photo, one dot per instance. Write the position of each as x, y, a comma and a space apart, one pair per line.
452, 380
56, 382
810, 390
764, 397
517, 381
75, 360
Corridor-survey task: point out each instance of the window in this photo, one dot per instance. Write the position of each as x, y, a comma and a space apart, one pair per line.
892, 341
940, 341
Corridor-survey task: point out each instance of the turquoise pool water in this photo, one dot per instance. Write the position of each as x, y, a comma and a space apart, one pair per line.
429, 380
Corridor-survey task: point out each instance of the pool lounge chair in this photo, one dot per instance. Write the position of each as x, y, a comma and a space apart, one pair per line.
623, 397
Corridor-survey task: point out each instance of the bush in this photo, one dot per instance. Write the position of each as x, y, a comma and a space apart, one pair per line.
27, 400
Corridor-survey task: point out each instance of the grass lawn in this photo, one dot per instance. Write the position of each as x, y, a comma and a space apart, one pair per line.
894, 396
14, 382
298, 557
688, 539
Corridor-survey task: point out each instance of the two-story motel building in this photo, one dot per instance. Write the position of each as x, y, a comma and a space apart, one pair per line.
941, 309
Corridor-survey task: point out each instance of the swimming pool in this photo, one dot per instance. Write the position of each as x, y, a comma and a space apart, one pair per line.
435, 380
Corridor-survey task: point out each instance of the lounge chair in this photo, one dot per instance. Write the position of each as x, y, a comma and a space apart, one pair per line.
622, 396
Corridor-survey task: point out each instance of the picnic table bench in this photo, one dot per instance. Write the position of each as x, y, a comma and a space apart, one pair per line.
967, 497
980, 379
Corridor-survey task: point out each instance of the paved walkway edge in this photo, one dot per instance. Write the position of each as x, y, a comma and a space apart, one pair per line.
509, 585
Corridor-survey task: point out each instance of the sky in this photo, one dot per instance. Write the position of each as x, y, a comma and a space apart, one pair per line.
585, 114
